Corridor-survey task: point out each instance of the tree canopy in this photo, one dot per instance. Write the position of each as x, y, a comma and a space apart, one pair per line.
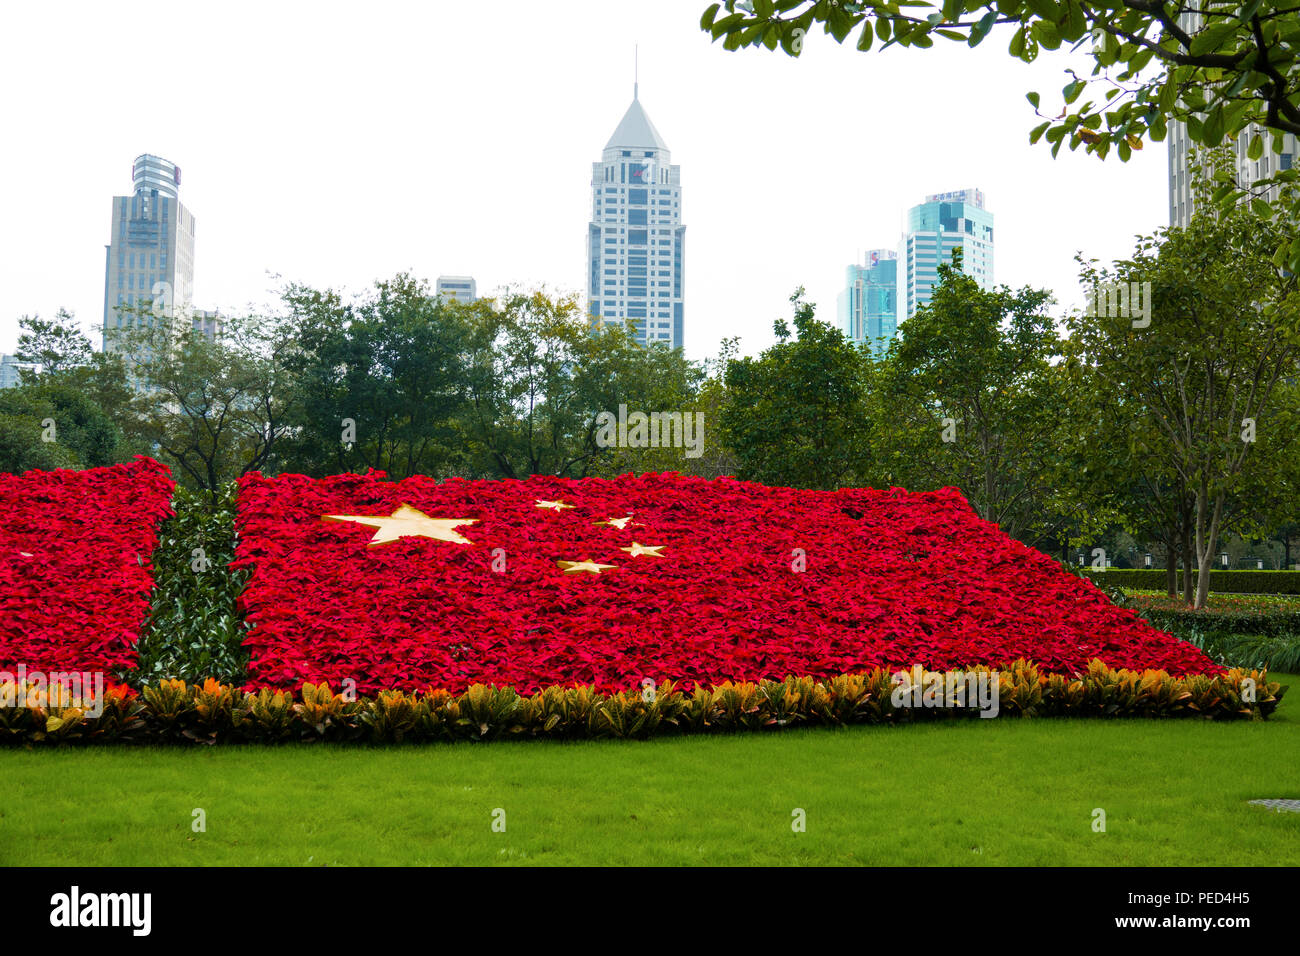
1220, 68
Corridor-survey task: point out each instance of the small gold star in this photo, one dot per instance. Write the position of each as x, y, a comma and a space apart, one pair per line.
639, 549
553, 505
619, 523
406, 522
588, 565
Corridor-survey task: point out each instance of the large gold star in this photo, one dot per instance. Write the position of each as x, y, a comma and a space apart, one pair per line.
553, 505
639, 549
588, 565
407, 522
619, 523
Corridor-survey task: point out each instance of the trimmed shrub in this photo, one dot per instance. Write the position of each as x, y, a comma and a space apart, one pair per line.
1237, 631
1221, 582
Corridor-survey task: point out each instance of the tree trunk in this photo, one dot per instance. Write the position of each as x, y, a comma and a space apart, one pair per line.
1187, 554
1207, 533
1171, 564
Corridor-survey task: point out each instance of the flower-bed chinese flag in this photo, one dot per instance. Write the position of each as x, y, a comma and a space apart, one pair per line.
545, 581
76, 565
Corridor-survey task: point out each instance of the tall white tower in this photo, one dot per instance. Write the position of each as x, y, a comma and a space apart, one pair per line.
636, 240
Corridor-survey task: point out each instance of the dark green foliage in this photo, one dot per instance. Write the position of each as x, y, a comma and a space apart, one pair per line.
82, 436
194, 631
1249, 633
795, 416
1221, 582
969, 396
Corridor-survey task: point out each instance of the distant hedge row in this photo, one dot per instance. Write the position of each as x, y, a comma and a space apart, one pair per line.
1222, 582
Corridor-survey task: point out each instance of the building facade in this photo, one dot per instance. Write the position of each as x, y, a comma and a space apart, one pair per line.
150, 258
636, 240
868, 305
9, 377
944, 222
461, 288
1181, 174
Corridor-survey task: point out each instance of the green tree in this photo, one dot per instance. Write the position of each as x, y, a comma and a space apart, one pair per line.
968, 396
539, 376
796, 415
1239, 65
1197, 380
211, 409
378, 382
53, 425
56, 344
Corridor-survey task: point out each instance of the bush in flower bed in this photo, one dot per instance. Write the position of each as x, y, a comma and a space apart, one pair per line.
173, 711
660, 576
1238, 630
194, 630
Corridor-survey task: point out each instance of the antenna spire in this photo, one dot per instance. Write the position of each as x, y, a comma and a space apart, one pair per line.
636, 70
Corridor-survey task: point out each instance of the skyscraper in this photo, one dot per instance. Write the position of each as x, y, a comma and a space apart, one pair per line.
150, 258
1181, 175
461, 288
635, 240
868, 306
9, 369
946, 221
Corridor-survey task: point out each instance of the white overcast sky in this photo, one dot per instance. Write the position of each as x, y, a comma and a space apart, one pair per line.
335, 144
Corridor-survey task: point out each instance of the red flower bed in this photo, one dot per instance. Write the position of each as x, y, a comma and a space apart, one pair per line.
890, 578
75, 564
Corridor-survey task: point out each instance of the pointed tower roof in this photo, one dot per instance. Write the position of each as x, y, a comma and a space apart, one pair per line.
636, 130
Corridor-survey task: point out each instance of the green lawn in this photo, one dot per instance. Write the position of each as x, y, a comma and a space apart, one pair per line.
978, 792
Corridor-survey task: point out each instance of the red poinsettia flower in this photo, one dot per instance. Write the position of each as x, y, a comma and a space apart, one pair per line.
75, 565
606, 582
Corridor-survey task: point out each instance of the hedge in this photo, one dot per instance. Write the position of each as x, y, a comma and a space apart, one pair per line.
194, 630
1260, 635
1222, 582
173, 711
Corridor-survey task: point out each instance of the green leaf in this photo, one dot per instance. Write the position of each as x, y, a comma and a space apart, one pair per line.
1073, 24
981, 29
1033, 99
1017, 45
1212, 38
1256, 148
1047, 9
706, 21
1212, 132
1046, 33
864, 40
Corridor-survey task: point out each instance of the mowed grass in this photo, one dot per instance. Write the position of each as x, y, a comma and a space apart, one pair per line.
969, 793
